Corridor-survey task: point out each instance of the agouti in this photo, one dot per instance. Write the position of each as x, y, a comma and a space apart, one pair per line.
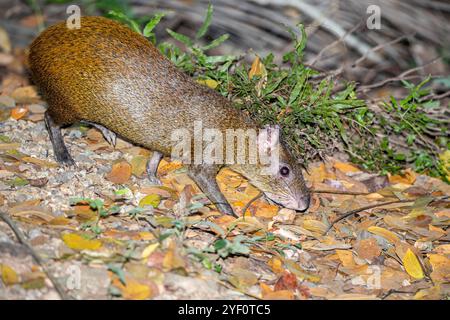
109, 76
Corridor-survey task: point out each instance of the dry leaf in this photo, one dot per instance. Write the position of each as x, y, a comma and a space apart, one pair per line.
408, 177
279, 295
276, 265
138, 165
133, 290
382, 232
242, 278
209, 83
441, 268
120, 172
346, 257
77, 242
346, 167
39, 162
152, 200
412, 265
149, 250
315, 226
9, 276
5, 43
18, 112
172, 259
368, 249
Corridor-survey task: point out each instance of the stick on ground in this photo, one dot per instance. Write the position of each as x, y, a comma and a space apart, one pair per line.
21, 238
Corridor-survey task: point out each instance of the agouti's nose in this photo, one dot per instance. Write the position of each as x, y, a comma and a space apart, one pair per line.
299, 204
303, 203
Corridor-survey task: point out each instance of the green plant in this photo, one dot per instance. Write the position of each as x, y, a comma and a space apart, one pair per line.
316, 118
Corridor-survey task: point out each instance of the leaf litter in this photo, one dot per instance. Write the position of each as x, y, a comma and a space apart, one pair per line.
104, 224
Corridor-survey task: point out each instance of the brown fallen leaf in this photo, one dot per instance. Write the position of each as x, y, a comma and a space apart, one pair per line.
368, 249
287, 281
39, 162
279, 295
441, 268
120, 172
18, 112
242, 278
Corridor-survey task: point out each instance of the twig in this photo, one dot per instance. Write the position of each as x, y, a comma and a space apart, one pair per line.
402, 76
250, 202
336, 42
330, 25
352, 212
435, 97
21, 238
378, 47
341, 192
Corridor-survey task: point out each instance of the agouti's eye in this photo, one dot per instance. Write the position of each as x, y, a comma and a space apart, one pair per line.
284, 171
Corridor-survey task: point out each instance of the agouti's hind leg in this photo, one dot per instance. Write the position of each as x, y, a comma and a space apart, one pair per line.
152, 167
59, 148
205, 177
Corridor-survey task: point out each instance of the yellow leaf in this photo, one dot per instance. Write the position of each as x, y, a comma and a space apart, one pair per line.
257, 69
149, 250
382, 232
412, 265
77, 242
264, 210
346, 258
276, 265
209, 83
133, 290
9, 276
315, 226
407, 177
150, 200
445, 158
345, 167
319, 174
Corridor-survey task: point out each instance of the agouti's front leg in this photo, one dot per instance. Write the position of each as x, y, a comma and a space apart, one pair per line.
59, 148
205, 177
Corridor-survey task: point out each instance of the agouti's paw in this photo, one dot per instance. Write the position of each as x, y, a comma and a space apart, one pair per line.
154, 180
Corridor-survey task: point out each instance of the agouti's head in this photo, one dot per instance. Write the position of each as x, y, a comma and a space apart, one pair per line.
285, 185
